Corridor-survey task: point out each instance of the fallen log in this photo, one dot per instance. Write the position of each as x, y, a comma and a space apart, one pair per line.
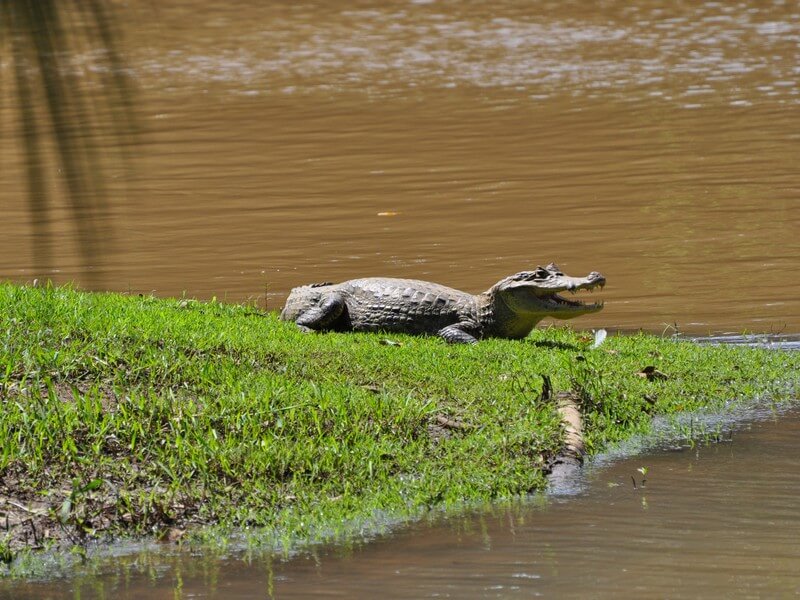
566, 466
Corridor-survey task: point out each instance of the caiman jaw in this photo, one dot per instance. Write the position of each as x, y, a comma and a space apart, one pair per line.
537, 293
560, 302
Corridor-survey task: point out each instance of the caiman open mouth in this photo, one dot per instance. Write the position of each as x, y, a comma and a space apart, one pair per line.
561, 302
545, 285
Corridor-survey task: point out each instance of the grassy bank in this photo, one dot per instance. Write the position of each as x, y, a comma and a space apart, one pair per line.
135, 415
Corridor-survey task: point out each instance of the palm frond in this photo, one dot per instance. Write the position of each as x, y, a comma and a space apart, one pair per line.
69, 107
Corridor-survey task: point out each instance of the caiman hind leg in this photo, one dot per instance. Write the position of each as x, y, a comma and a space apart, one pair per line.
459, 333
323, 315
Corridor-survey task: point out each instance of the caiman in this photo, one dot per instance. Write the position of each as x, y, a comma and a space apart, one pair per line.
508, 309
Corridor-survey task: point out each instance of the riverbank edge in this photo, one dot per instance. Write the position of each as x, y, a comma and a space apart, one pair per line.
130, 416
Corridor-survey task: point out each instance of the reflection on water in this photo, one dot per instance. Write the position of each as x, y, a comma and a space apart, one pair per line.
65, 65
689, 55
458, 142
715, 521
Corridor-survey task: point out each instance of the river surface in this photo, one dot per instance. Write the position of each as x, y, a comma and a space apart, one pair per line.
283, 143
710, 521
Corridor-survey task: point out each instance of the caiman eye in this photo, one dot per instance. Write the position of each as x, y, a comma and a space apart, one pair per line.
553, 268
542, 273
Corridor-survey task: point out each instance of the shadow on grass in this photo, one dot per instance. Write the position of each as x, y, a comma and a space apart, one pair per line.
550, 345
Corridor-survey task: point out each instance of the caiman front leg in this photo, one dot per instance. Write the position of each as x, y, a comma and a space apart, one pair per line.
459, 333
323, 315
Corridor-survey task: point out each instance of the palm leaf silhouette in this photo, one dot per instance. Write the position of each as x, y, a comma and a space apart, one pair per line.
68, 107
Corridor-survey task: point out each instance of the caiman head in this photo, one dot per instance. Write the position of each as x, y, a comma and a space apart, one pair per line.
522, 300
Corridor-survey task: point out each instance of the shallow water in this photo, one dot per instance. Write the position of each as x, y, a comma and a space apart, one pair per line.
719, 521
711, 521
284, 143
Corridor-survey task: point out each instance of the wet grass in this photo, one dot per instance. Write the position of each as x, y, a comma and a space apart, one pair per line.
128, 415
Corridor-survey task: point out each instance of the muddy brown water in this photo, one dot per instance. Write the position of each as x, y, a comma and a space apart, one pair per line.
283, 143
710, 521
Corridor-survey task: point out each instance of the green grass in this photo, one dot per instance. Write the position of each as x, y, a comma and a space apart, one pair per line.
126, 415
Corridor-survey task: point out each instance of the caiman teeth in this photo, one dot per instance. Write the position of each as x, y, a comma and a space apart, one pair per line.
575, 303
559, 300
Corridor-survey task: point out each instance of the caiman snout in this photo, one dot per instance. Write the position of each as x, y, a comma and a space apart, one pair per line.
593, 279
597, 278
552, 280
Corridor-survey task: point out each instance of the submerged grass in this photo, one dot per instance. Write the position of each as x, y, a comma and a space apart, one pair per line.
131, 415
